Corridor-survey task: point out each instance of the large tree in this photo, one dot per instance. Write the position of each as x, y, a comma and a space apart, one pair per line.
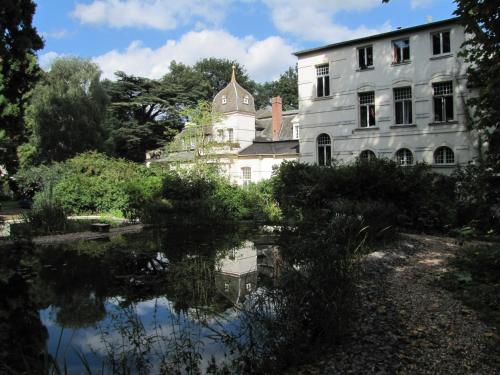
18, 73
66, 112
482, 50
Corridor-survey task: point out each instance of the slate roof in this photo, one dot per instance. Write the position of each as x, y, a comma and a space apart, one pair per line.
235, 98
264, 126
271, 148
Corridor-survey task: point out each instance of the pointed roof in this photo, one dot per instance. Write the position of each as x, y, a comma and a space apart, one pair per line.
234, 98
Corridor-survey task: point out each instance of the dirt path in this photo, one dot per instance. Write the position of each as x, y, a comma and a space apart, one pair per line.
408, 324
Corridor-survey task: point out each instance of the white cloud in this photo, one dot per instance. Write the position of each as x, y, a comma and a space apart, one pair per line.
264, 59
46, 59
156, 14
313, 20
57, 34
421, 3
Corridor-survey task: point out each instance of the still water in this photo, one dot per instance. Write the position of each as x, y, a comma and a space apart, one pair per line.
155, 302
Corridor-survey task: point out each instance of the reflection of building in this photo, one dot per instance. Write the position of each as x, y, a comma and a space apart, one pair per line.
249, 145
239, 272
397, 95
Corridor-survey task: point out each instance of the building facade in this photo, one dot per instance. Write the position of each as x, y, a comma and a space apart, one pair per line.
398, 95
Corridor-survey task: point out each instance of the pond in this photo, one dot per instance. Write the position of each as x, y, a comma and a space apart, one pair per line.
170, 301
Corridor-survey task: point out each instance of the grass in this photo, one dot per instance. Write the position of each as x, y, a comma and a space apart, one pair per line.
475, 279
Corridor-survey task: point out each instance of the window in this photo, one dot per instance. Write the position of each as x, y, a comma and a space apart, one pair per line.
324, 149
323, 80
444, 155
441, 43
402, 105
367, 109
365, 57
220, 135
367, 155
224, 99
404, 157
230, 135
400, 51
443, 101
245, 99
226, 287
246, 175
248, 287
295, 131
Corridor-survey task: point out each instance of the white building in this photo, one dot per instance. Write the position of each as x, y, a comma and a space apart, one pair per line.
397, 95
251, 144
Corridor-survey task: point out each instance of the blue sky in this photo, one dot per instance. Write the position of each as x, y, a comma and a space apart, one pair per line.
141, 37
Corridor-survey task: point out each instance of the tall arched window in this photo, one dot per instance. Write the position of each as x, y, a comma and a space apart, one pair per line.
367, 155
404, 157
444, 155
324, 149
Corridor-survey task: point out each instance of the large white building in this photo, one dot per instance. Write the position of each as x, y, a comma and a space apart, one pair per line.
398, 95
248, 145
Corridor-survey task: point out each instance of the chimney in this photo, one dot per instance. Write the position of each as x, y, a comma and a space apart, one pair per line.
277, 116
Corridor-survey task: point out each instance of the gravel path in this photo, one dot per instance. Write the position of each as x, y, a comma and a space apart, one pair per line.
408, 324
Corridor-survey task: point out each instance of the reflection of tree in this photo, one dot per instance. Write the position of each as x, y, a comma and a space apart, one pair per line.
23, 337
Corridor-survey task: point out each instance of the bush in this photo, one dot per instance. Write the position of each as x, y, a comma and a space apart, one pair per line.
416, 197
47, 215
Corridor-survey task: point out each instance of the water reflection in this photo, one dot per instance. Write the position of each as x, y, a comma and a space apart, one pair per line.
150, 303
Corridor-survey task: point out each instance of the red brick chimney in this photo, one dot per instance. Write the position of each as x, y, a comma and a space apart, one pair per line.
277, 117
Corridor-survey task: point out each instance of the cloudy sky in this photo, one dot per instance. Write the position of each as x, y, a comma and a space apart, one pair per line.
141, 37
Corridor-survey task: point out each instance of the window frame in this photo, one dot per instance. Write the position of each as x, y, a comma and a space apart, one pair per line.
445, 157
404, 108
324, 150
230, 135
405, 163
444, 107
246, 175
224, 99
364, 48
370, 156
368, 107
324, 78
441, 44
394, 48
295, 131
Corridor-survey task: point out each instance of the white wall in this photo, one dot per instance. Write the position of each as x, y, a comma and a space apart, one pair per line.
243, 126
261, 167
338, 115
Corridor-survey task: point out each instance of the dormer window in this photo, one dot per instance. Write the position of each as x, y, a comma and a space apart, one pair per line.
224, 99
245, 99
295, 131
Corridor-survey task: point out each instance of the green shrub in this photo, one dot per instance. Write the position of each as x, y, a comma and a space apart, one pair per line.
47, 215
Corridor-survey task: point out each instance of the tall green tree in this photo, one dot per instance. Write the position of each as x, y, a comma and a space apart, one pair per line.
285, 86
66, 112
19, 71
143, 114
481, 20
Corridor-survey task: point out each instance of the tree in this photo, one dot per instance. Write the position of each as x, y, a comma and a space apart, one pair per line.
66, 111
18, 73
481, 20
286, 86
144, 114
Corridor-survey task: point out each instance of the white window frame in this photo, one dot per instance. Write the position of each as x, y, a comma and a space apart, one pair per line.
245, 99
444, 158
296, 131
441, 44
408, 100
324, 149
395, 48
224, 99
246, 175
363, 103
230, 135
402, 160
366, 65
323, 76
443, 95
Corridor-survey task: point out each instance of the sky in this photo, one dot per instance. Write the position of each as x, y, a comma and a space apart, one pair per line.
142, 37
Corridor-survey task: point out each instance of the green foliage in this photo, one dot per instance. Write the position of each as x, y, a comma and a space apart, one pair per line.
413, 197
66, 111
47, 216
285, 86
94, 183
19, 71
481, 20
475, 279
